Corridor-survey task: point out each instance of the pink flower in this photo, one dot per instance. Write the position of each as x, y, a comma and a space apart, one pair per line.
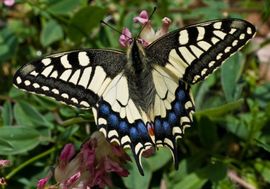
3, 181
42, 183
148, 34
125, 38
9, 3
4, 163
70, 182
91, 166
67, 153
142, 18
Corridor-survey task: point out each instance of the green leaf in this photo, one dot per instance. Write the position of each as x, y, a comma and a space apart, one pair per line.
84, 21
191, 181
135, 180
187, 166
237, 127
215, 172
207, 132
262, 94
202, 91
264, 142
162, 157
16, 140
51, 32
68, 112
224, 184
28, 115
221, 110
230, 73
4, 50
7, 113
263, 167
64, 7
8, 44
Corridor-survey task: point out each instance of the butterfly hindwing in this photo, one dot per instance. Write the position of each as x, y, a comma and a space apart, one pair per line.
77, 78
122, 121
192, 53
172, 110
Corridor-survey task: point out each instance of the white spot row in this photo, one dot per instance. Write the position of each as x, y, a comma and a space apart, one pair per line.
249, 30
201, 33
183, 37
217, 25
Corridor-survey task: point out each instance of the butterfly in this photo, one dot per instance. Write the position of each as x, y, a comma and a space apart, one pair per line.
140, 98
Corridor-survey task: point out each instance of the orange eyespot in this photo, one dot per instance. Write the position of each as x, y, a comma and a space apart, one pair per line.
150, 129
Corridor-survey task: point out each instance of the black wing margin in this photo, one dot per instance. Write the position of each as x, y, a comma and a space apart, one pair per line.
77, 78
194, 52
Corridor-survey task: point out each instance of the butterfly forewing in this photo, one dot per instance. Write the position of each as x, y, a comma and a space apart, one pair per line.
184, 57
77, 78
192, 53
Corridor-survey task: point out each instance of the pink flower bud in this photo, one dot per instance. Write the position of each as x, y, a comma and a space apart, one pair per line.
73, 179
67, 153
142, 18
42, 183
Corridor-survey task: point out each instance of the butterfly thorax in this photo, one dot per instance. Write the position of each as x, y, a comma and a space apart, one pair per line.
138, 72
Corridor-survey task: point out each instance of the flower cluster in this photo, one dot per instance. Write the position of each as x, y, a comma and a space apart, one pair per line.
89, 168
3, 163
148, 34
8, 3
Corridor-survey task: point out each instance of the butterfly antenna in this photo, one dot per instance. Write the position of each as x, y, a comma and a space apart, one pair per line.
154, 10
106, 24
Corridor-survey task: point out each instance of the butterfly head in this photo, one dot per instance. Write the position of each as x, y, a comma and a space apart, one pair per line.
136, 51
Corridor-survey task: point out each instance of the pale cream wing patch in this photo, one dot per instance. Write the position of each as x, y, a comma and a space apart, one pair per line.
121, 121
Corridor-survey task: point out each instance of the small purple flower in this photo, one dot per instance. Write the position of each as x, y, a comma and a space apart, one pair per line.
9, 3
67, 153
42, 183
148, 34
125, 38
142, 18
4, 163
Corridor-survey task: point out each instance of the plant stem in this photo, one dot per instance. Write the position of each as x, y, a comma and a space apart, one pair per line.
17, 169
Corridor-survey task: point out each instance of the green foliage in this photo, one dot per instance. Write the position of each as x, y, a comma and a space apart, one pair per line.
231, 130
17, 140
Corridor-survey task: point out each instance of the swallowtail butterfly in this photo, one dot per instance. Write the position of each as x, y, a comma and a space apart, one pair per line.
140, 98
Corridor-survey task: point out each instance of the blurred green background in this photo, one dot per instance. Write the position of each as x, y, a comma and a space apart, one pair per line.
227, 148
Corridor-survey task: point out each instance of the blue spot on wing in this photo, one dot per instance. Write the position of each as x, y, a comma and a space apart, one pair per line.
123, 127
158, 127
177, 108
172, 118
167, 128
104, 110
137, 131
134, 135
142, 129
181, 95
113, 120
